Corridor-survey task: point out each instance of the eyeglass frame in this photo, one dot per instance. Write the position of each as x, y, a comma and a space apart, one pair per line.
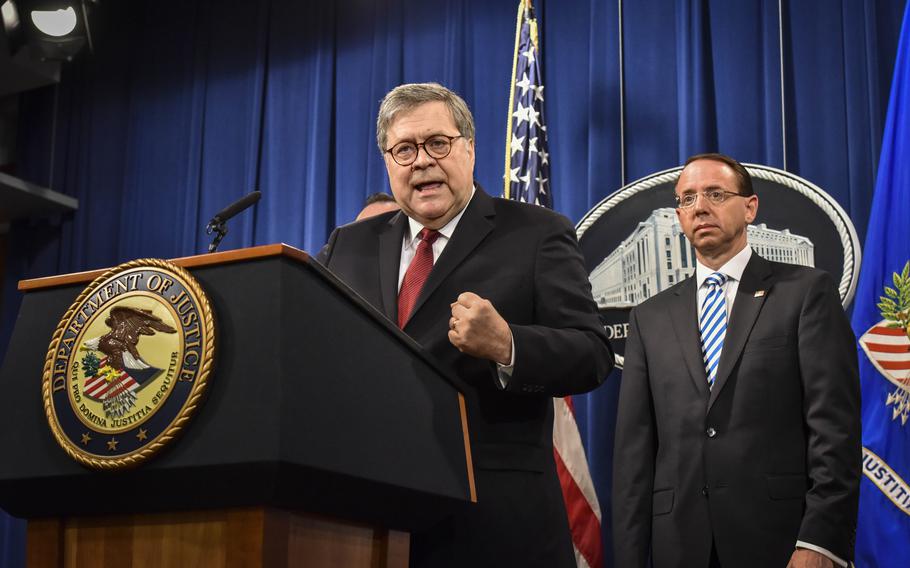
418, 145
695, 194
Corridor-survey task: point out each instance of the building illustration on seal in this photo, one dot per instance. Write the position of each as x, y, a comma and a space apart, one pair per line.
657, 255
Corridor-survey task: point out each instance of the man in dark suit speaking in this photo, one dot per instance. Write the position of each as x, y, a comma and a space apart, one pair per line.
738, 434
496, 290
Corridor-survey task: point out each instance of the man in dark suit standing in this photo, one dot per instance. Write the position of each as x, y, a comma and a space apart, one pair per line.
497, 291
738, 434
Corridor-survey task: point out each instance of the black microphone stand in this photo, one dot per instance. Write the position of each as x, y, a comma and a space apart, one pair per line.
219, 227
218, 223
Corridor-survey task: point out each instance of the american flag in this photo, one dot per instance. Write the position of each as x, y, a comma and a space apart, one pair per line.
527, 175
527, 179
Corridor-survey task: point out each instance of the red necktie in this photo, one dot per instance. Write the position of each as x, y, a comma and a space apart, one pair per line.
416, 275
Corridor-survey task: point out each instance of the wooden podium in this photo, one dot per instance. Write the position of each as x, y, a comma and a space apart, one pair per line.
326, 437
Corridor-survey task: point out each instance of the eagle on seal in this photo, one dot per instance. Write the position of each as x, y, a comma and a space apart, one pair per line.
127, 324
122, 371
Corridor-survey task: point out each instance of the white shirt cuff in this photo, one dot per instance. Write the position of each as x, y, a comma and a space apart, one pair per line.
808, 546
505, 371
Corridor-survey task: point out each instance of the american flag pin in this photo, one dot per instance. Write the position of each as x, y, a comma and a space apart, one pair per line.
759, 293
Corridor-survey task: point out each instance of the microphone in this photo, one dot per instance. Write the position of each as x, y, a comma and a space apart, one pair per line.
217, 224
236, 207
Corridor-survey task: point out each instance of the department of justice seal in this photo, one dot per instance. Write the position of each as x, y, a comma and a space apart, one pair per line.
128, 364
634, 247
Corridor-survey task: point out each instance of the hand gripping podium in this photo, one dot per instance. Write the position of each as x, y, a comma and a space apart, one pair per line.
325, 437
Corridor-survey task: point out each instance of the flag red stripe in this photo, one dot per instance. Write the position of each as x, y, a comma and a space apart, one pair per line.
582, 521
895, 365
92, 386
879, 330
123, 385
97, 388
570, 405
885, 348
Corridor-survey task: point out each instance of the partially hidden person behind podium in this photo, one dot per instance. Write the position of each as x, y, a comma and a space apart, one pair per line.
738, 430
496, 290
376, 204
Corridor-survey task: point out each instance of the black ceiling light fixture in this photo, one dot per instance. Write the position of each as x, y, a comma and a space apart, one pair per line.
56, 29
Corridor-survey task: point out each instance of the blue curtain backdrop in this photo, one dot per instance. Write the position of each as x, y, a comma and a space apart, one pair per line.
185, 107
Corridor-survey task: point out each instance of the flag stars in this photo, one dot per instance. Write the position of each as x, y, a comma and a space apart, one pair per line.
517, 144
521, 113
525, 84
527, 157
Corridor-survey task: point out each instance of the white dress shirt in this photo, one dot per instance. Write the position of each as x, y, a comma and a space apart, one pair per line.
733, 269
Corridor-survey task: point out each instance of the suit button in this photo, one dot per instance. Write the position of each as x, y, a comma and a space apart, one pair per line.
704, 490
711, 432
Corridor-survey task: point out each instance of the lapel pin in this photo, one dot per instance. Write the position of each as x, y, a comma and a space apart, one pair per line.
759, 293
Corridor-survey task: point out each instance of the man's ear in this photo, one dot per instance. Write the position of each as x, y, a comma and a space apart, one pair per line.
751, 208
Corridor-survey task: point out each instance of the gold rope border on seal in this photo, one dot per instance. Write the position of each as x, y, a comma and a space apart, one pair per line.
189, 406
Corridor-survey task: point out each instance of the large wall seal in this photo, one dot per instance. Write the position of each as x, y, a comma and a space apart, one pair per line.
128, 364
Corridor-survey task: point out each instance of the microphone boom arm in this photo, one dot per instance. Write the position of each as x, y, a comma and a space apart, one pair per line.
218, 223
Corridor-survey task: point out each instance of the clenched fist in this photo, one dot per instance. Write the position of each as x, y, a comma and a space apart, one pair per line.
476, 328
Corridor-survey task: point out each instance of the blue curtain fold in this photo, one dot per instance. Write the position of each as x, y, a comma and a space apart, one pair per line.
182, 110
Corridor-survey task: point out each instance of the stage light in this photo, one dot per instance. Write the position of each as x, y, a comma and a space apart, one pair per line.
56, 23
53, 30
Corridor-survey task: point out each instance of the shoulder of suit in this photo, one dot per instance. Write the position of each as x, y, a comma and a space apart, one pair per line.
533, 213
784, 270
660, 300
370, 223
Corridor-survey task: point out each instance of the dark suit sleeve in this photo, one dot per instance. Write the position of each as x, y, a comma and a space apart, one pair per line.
828, 366
565, 350
325, 253
634, 452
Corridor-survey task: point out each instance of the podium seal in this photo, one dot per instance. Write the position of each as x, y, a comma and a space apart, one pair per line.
128, 364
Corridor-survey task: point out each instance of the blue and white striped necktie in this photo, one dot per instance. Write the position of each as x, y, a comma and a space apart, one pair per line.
712, 324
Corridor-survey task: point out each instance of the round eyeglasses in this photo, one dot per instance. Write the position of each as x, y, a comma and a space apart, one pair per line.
437, 146
715, 196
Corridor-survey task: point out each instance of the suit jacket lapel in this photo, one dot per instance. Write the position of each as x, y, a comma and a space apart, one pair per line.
390, 237
684, 316
472, 228
746, 308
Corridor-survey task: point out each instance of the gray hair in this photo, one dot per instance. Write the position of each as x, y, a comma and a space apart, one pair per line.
407, 97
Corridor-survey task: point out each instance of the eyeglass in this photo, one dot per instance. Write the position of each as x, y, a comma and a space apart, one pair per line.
437, 146
715, 196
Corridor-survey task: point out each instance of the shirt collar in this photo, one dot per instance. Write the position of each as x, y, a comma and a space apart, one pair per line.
733, 269
445, 231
